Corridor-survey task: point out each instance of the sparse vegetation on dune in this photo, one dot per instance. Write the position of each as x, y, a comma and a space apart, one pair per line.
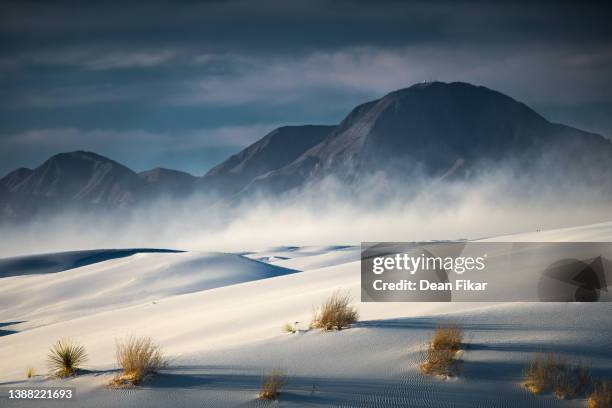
289, 328
540, 372
601, 397
30, 372
442, 350
564, 379
574, 380
65, 358
336, 313
138, 357
448, 337
271, 385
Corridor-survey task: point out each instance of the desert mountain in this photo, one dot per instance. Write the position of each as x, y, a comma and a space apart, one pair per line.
69, 180
435, 129
431, 130
84, 181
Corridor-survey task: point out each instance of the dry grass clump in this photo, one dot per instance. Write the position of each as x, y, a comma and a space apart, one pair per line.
565, 379
541, 372
441, 354
138, 357
271, 385
448, 337
65, 358
601, 397
573, 380
335, 313
30, 372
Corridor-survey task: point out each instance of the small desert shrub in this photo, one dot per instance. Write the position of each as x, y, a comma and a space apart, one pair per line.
572, 381
65, 358
289, 328
541, 372
441, 354
30, 372
565, 379
272, 385
448, 337
138, 357
601, 397
335, 313
439, 362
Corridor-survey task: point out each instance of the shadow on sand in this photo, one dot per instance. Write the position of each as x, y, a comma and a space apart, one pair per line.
300, 390
4, 332
63, 261
426, 323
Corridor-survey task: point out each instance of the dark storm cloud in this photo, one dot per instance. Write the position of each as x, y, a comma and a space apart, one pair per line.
113, 73
270, 26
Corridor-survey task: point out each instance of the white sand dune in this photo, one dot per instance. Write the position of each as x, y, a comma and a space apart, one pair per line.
586, 233
220, 326
117, 283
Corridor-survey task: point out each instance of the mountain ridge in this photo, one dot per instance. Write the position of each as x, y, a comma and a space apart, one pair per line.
275, 150
432, 129
427, 128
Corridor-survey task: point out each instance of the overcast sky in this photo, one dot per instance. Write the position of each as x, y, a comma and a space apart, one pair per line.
184, 85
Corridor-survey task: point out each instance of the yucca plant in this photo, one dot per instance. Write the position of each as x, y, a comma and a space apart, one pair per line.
65, 358
289, 328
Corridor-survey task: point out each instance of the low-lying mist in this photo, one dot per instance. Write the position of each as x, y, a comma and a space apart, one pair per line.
329, 212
